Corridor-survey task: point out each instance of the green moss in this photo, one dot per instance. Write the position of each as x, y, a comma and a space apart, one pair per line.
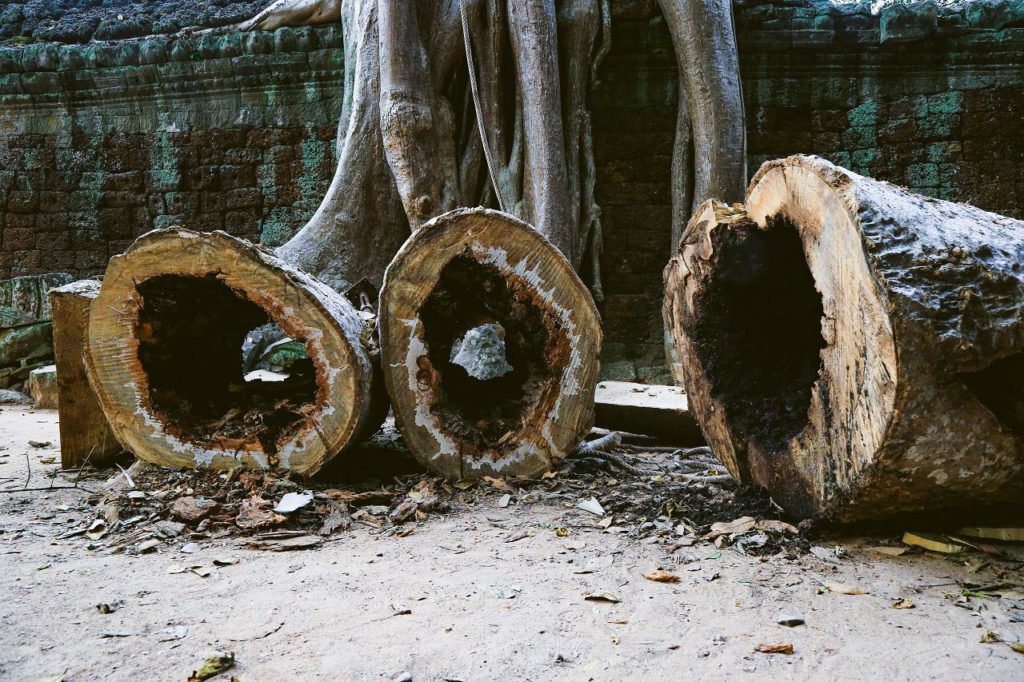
277, 228
922, 175
865, 114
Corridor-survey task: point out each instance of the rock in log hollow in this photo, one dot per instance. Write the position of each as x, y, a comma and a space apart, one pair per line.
457, 274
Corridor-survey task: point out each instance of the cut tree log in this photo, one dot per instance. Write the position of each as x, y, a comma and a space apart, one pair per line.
165, 357
855, 348
661, 411
84, 432
474, 277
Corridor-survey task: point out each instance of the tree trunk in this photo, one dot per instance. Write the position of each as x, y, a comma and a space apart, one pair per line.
84, 432
360, 223
516, 403
410, 133
165, 357
855, 348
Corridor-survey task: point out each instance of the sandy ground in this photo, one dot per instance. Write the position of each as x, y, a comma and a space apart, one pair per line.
456, 600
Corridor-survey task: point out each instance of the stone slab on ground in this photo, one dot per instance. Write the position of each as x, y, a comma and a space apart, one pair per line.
651, 409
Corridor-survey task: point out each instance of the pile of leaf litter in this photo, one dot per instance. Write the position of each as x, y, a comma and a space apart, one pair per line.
659, 495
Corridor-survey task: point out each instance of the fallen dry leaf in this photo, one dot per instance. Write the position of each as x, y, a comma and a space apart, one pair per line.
781, 648
253, 514
662, 577
740, 525
213, 666
776, 526
903, 604
497, 483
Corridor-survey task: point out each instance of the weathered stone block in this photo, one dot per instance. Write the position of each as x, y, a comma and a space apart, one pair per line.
42, 386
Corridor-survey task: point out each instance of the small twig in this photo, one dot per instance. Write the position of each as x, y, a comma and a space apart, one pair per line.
602, 444
43, 488
84, 463
28, 465
128, 478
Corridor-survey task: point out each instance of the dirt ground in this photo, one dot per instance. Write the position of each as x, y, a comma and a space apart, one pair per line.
477, 593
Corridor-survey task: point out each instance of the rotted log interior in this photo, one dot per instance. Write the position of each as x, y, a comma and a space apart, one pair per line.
470, 299
167, 335
759, 330
191, 331
853, 347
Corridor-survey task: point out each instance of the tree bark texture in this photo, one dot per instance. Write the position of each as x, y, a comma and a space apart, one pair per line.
474, 267
854, 347
164, 357
410, 143
501, 121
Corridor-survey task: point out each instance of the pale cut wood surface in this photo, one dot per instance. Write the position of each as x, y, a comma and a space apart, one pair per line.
335, 335
661, 411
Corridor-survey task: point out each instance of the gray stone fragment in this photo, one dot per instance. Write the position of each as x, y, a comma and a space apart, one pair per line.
481, 352
9, 397
42, 386
790, 620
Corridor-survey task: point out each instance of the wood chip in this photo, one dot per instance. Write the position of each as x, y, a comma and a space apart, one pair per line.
287, 544
662, 577
603, 597
933, 543
1004, 534
840, 588
781, 648
889, 551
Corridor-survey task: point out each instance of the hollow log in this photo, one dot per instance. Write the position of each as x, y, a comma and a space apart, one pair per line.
165, 357
855, 348
84, 432
490, 347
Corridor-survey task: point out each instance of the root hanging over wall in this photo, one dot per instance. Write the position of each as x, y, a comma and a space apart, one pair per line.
449, 103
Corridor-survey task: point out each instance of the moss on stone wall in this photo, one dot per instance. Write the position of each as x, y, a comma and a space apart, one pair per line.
100, 143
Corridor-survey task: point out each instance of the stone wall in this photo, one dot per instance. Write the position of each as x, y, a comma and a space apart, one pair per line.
102, 142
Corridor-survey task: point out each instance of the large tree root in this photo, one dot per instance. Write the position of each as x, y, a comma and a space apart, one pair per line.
855, 348
165, 357
511, 408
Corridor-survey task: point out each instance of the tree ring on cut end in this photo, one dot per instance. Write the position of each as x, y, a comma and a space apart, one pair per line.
463, 271
165, 359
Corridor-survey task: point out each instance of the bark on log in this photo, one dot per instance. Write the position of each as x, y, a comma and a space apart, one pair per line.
165, 358
855, 348
463, 271
84, 432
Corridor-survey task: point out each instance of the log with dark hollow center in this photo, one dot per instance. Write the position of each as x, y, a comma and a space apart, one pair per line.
191, 331
760, 330
489, 347
165, 357
854, 347
470, 295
